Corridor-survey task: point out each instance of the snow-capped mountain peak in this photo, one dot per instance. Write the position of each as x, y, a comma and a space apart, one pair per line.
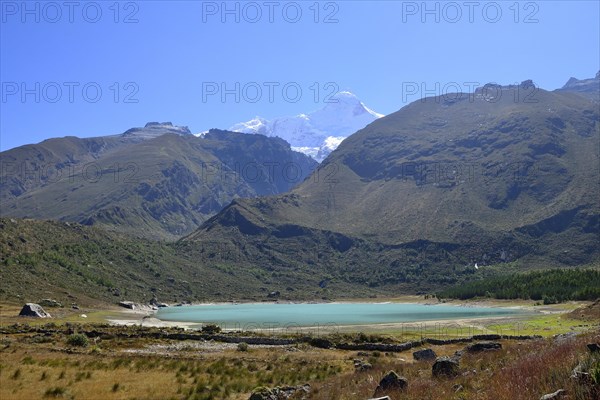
320, 132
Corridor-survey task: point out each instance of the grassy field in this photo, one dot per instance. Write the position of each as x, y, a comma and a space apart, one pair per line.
37, 366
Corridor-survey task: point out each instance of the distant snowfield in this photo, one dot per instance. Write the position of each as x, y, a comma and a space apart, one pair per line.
318, 133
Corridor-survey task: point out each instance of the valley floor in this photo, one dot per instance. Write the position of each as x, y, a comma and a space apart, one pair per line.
40, 359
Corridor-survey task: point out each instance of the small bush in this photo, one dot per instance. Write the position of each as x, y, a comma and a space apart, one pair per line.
95, 350
242, 346
78, 340
211, 329
55, 392
115, 387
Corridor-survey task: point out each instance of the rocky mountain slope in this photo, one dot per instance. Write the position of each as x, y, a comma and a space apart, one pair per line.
589, 87
159, 181
506, 175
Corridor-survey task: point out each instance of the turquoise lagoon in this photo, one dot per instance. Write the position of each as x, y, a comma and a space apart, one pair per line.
276, 315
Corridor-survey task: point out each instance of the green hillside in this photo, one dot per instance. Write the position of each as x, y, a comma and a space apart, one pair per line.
551, 286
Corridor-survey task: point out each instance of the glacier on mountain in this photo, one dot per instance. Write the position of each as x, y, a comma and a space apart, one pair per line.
320, 132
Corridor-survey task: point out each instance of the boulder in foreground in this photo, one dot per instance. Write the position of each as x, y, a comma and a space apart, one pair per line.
445, 367
391, 381
34, 310
425, 354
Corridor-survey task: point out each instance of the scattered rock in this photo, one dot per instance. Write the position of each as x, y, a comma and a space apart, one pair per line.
391, 381
34, 310
381, 398
49, 303
578, 373
559, 394
445, 367
565, 337
157, 304
483, 346
593, 347
281, 393
527, 84
426, 354
360, 365
127, 304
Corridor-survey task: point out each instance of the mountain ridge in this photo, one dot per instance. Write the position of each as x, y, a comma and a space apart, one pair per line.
159, 181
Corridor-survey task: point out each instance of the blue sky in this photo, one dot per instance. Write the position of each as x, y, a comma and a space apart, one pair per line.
169, 61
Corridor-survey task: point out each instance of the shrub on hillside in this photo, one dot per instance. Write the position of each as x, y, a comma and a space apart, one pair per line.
78, 340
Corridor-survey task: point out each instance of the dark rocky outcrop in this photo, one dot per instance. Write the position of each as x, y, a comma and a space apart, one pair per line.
128, 304
391, 382
321, 343
425, 354
445, 367
49, 303
593, 347
483, 346
33, 310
